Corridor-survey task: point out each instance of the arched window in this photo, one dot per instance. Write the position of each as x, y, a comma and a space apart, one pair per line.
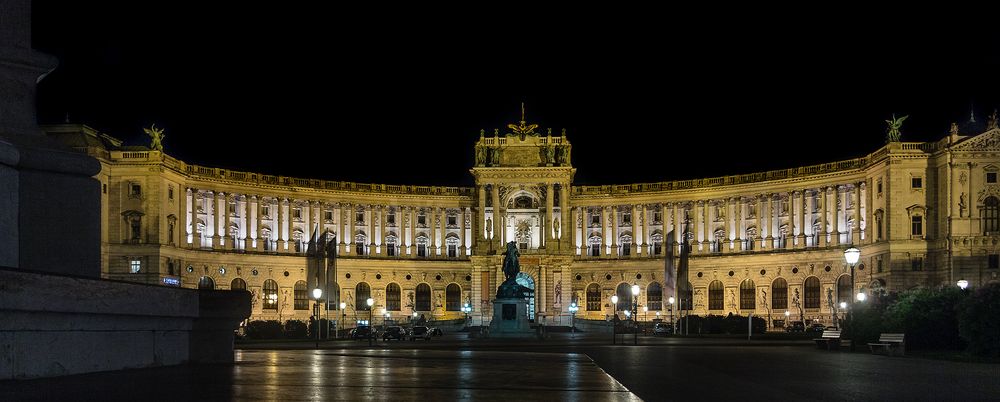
812, 292
206, 283
452, 243
421, 246
593, 297
390, 245
779, 294
626, 245
747, 293
991, 215
453, 298
844, 289
654, 296
359, 243
238, 284
270, 295
595, 245
393, 298
657, 240
362, 292
423, 302
624, 293
715, 295
301, 296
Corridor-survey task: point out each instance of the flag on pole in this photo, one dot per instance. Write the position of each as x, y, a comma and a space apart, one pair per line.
669, 268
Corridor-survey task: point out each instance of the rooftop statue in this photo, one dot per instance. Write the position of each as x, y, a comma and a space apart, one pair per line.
894, 124
157, 136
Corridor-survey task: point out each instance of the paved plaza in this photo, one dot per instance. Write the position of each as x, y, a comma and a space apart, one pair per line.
586, 368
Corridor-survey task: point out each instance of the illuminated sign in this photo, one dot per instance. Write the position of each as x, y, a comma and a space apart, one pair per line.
172, 281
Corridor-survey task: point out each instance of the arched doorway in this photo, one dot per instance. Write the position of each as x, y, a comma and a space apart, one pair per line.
525, 280
206, 282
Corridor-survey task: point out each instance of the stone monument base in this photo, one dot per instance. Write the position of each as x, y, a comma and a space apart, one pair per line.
510, 319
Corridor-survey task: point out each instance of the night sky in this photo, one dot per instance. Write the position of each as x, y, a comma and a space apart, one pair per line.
299, 92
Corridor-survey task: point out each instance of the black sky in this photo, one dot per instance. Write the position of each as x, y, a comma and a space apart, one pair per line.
300, 92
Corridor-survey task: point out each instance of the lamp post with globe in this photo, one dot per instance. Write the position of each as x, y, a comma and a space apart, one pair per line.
317, 293
343, 315
371, 330
572, 324
671, 300
614, 318
635, 313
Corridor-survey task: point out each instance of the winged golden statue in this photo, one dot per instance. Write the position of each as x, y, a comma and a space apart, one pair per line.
156, 135
894, 124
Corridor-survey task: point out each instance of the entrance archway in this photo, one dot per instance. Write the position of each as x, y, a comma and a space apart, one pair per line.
525, 280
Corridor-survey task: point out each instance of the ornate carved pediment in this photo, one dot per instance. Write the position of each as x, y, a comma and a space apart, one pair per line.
989, 190
988, 141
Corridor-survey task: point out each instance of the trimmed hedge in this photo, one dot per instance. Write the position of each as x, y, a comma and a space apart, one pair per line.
273, 329
979, 321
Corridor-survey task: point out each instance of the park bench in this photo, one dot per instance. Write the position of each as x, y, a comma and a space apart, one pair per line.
830, 339
890, 342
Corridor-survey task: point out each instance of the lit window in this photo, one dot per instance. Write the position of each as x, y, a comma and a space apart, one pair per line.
917, 182
135, 266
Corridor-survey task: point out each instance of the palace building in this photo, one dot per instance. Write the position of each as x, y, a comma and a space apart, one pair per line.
924, 214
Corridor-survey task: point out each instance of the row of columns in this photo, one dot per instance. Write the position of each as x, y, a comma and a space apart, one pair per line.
554, 221
274, 232
700, 218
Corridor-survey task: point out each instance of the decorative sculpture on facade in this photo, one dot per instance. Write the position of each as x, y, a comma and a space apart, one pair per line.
156, 137
893, 134
523, 129
992, 121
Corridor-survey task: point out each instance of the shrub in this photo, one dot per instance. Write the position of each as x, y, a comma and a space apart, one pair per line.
864, 324
979, 321
928, 317
270, 329
295, 329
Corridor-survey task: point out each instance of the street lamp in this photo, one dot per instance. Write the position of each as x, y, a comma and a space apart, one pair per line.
317, 293
466, 309
645, 309
371, 331
614, 312
843, 307
787, 317
572, 323
851, 256
671, 300
635, 306
343, 314
962, 284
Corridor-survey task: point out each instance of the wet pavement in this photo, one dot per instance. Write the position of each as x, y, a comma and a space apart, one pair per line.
431, 375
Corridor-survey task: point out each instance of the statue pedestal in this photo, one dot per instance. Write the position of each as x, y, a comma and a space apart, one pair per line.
510, 319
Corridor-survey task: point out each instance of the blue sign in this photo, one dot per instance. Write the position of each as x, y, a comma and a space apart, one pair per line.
172, 281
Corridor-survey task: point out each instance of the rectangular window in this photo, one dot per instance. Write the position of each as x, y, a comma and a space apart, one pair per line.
878, 265
170, 193
267, 211
390, 250
917, 264
595, 219
917, 226
421, 219
104, 188
991, 177
391, 218
297, 213
657, 248
452, 221
452, 251
134, 190
626, 218
878, 187
994, 260
360, 248
359, 217
328, 215
917, 182
421, 250
657, 216
135, 266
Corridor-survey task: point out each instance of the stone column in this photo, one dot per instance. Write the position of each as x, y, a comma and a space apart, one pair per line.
372, 224
410, 222
614, 230
442, 243
576, 234
245, 223
739, 222
835, 211
679, 227
696, 249
464, 216
480, 218
279, 232
212, 207
379, 236
636, 231
798, 203
822, 196
565, 236
187, 218
257, 238
550, 215
862, 213
497, 219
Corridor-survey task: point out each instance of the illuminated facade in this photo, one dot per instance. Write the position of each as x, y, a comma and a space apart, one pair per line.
923, 214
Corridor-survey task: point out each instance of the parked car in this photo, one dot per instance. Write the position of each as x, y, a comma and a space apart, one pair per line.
420, 332
394, 332
361, 333
435, 331
662, 328
816, 327
795, 326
